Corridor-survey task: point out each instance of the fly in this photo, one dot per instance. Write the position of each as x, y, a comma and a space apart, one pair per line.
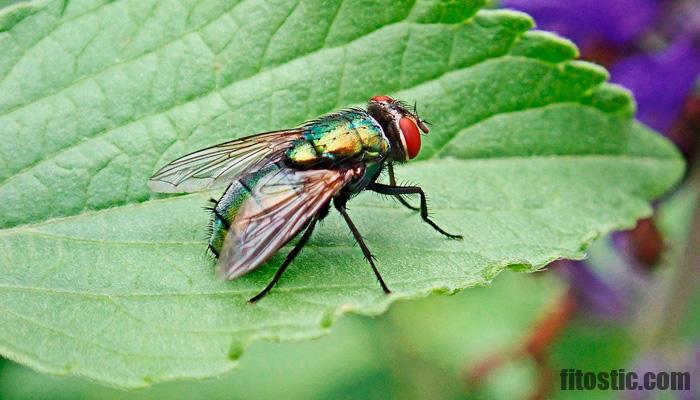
282, 183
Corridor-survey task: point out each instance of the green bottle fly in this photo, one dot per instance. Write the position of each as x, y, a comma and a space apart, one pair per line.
282, 183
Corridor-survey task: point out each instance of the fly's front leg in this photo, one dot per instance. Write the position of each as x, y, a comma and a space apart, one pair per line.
404, 190
392, 182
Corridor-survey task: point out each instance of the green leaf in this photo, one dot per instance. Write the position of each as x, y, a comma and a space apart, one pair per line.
531, 156
417, 350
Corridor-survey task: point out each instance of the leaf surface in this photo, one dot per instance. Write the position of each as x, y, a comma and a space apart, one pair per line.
531, 156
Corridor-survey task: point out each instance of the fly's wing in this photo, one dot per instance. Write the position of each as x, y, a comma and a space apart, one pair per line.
281, 204
218, 165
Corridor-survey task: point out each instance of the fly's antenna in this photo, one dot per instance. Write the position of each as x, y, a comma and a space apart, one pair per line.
425, 123
421, 122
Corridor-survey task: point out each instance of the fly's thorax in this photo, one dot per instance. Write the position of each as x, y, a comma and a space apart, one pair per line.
374, 142
387, 119
302, 152
350, 135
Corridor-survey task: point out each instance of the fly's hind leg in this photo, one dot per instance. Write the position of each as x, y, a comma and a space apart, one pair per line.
340, 206
290, 257
404, 190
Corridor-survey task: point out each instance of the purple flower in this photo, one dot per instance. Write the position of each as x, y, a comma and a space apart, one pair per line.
595, 296
661, 82
680, 17
587, 21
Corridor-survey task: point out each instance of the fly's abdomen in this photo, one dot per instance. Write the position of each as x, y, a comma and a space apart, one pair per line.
229, 204
350, 134
219, 229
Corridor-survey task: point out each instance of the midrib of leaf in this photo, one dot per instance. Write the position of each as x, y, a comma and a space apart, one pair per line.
641, 160
35, 229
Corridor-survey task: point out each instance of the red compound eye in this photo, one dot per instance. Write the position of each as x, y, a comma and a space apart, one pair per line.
411, 136
382, 98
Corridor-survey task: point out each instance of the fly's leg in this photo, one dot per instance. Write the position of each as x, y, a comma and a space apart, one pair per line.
365, 251
404, 190
290, 257
392, 182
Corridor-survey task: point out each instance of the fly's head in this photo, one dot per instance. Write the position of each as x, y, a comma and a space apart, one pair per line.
401, 125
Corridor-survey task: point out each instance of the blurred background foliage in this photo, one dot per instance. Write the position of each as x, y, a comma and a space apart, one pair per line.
633, 304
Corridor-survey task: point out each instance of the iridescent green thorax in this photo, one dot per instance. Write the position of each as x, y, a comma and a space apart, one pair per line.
346, 135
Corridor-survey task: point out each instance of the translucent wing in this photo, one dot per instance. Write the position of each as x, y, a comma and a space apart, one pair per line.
218, 165
281, 203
